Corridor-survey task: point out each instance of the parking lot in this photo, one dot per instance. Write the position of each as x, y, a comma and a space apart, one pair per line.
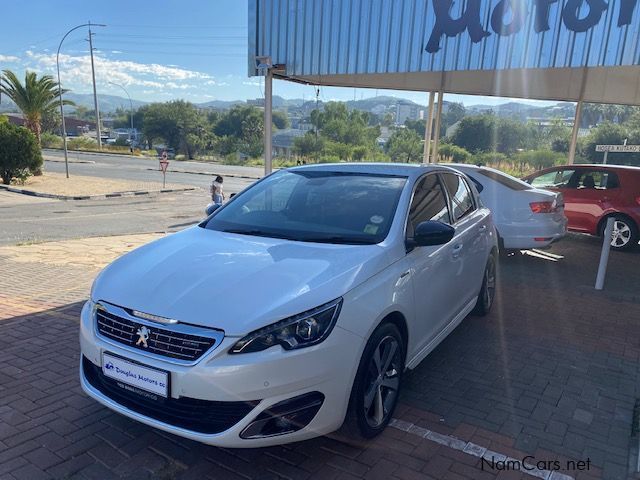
551, 375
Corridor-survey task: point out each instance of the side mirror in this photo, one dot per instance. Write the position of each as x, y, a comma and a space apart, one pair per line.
432, 233
232, 195
212, 207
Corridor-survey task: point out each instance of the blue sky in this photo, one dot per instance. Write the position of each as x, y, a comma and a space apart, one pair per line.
161, 50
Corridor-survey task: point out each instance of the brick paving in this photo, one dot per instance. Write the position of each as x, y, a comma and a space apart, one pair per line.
552, 372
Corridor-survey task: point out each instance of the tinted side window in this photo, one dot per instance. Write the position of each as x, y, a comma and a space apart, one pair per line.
597, 179
429, 203
460, 193
555, 179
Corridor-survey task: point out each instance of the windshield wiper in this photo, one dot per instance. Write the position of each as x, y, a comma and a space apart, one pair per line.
258, 233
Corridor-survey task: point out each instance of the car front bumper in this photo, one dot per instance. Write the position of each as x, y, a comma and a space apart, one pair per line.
265, 378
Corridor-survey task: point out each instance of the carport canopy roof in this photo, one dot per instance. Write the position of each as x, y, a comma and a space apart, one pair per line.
550, 50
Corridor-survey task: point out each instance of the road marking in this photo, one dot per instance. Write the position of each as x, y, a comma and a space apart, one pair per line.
475, 450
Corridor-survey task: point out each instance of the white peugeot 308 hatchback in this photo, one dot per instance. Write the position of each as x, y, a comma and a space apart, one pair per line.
294, 309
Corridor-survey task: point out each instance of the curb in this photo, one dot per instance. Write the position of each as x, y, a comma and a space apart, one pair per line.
95, 197
210, 174
70, 161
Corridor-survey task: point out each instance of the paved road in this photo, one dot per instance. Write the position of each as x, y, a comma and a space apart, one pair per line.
56, 220
28, 219
145, 169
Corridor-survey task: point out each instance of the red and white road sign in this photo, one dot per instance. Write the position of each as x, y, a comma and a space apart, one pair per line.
164, 164
165, 157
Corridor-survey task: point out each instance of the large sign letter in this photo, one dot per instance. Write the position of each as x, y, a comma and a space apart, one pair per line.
445, 25
570, 14
626, 12
518, 14
541, 23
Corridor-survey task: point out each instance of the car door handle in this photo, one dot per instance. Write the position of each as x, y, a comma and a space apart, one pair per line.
456, 250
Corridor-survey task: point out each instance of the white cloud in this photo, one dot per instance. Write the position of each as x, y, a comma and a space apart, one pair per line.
8, 58
76, 70
252, 83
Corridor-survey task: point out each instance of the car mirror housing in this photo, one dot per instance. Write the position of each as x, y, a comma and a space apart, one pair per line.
432, 233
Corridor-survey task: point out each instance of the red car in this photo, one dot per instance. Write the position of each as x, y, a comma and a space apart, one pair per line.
592, 193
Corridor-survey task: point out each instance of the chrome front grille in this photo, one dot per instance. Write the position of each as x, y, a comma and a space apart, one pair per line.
183, 343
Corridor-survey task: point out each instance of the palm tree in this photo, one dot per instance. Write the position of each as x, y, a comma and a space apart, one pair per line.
37, 97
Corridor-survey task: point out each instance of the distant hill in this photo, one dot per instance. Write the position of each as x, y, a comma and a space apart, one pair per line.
110, 103
107, 103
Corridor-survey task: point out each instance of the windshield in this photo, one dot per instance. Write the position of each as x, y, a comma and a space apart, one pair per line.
314, 206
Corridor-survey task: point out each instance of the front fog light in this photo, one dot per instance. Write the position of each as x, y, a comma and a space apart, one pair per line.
287, 416
303, 330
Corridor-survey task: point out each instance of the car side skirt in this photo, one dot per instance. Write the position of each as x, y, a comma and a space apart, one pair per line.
415, 361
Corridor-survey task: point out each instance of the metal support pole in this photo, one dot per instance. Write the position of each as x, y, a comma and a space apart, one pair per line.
574, 133
604, 254
436, 133
427, 130
95, 95
268, 90
606, 154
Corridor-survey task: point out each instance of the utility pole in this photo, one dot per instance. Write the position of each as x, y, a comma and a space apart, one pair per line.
95, 95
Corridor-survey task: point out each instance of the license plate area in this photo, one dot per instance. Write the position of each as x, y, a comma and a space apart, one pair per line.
141, 378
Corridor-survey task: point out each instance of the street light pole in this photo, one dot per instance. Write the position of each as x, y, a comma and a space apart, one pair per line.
130, 109
64, 128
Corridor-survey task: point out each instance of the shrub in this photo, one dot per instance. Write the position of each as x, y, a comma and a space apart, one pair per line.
539, 159
492, 159
49, 140
360, 153
452, 153
19, 153
82, 143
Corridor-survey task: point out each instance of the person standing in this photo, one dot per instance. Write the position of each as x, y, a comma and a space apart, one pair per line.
217, 195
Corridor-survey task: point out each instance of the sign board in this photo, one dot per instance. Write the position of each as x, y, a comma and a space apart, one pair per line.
163, 165
618, 148
165, 157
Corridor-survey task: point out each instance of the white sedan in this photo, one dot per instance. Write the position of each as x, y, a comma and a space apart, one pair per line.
526, 217
294, 308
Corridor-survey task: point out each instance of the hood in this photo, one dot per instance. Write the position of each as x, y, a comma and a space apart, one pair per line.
233, 282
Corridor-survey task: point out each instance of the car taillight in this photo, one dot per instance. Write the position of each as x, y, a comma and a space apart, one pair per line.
543, 207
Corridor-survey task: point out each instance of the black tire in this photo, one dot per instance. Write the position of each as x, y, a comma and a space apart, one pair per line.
625, 233
488, 290
362, 421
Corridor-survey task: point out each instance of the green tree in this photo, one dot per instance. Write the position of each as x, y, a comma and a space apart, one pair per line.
606, 134
476, 134
404, 145
19, 153
453, 153
245, 124
35, 98
308, 145
280, 120
417, 126
179, 124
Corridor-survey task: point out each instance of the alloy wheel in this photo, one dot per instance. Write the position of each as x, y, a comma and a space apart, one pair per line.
490, 283
621, 234
383, 381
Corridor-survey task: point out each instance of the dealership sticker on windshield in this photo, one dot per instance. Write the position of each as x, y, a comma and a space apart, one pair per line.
371, 229
376, 219
135, 375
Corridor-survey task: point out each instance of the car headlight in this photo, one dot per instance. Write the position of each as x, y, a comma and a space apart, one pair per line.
303, 330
